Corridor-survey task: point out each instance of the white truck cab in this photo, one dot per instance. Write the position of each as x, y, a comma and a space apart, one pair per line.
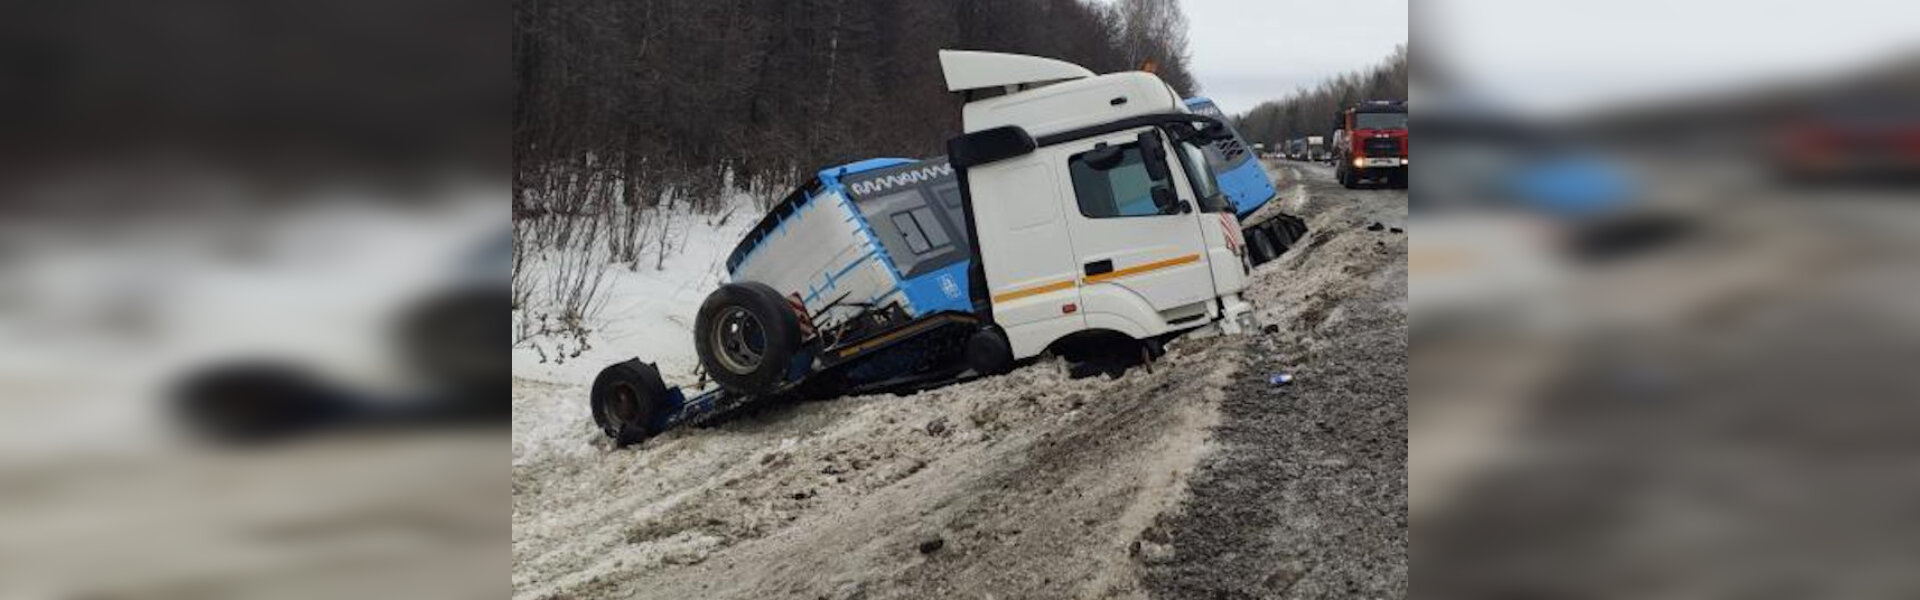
1091, 203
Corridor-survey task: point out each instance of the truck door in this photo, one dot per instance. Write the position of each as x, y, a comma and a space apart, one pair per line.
1031, 273
1136, 234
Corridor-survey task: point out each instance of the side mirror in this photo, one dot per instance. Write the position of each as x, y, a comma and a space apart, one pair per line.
1153, 155
1167, 203
1102, 157
1216, 131
1218, 202
989, 145
1184, 132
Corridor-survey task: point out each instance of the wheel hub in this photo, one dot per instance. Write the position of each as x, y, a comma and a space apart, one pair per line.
739, 341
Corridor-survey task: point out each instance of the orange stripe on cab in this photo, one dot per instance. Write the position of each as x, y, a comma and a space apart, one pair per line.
1033, 291
1116, 274
1138, 269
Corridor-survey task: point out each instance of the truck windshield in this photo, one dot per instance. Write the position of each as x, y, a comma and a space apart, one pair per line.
1380, 121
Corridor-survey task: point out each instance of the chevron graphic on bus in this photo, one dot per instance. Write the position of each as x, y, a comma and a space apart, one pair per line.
885, 182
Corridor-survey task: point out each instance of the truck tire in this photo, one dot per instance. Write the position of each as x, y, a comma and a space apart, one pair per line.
1287, 230
258, 402
988, 352
746, 335
1348, 179
1261, 246
627, 399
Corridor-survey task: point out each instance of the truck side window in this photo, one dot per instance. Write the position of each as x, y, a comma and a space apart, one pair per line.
1125, 190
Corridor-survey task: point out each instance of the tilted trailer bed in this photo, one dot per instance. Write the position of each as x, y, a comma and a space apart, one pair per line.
881, 295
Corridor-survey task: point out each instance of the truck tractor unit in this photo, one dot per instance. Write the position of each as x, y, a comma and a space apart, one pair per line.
1075, 209
1312, 148
1370, 144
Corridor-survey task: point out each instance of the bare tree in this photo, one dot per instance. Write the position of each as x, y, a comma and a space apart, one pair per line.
1312, 112
629, 111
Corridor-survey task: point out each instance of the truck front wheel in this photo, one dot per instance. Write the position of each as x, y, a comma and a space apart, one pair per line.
1260, 242
746, 335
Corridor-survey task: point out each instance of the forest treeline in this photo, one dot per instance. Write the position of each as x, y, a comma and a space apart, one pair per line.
669, 100
1314, 111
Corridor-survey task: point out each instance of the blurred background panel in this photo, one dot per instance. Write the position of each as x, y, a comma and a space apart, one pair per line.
253, 263
1662, 293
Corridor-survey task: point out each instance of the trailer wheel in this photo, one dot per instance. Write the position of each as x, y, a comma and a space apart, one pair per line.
257, 402
627, 398
746, 335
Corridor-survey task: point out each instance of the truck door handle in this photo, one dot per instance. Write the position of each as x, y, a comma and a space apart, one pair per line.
1100, 266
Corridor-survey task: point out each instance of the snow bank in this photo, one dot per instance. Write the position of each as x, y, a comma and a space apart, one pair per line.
647, 312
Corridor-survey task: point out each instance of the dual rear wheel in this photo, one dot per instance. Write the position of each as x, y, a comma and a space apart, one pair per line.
1269, 239
747, 335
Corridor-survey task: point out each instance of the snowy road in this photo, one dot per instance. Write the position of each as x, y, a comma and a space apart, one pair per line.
1304, 495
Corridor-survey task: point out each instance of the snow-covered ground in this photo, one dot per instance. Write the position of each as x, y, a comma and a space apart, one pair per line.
1025, 485
647, 312
587, 516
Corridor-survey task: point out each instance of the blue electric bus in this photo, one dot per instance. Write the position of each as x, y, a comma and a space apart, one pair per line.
1234, 164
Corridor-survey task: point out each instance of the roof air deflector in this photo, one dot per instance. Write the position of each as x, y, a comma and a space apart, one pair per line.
972, 70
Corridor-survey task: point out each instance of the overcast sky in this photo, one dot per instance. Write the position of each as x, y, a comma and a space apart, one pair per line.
1569, 57
1245, 52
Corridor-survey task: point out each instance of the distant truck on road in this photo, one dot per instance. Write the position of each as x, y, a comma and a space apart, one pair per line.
1370, 143
1311, 148
1075, 211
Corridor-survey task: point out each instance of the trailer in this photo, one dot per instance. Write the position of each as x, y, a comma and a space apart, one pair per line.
1075, 209
884, 270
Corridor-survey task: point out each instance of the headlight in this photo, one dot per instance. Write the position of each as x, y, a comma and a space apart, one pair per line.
1403, 161
1359, 162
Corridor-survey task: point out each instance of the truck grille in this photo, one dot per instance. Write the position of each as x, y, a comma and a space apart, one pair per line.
1382, 147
